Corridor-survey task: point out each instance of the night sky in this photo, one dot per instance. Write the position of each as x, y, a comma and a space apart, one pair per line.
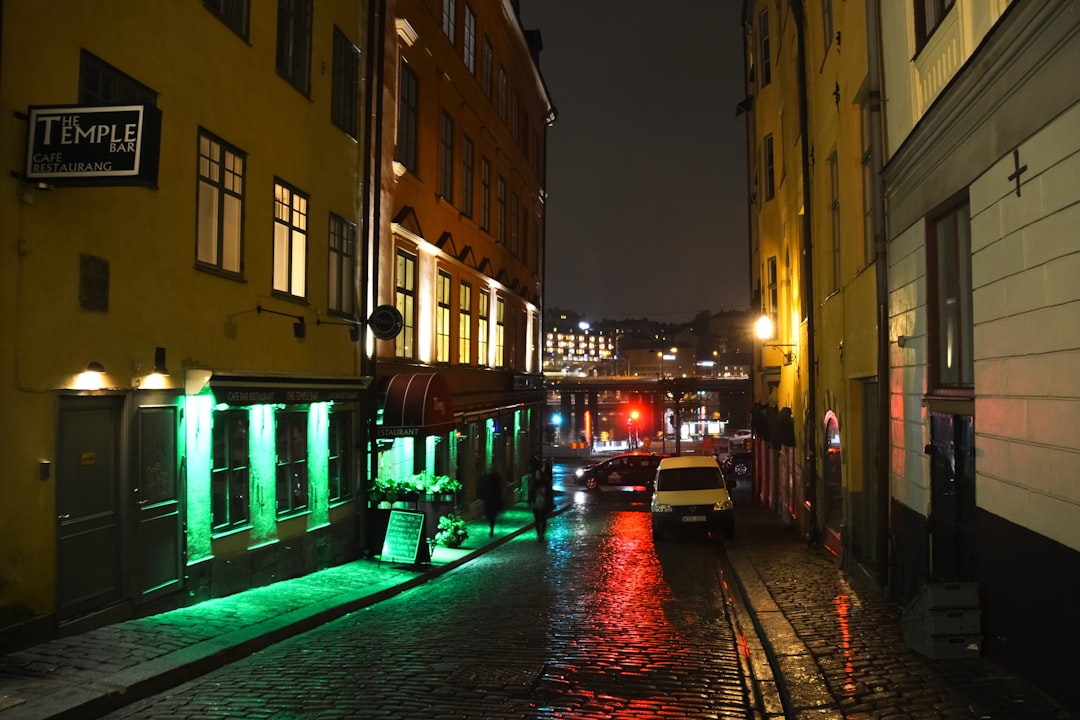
646, 212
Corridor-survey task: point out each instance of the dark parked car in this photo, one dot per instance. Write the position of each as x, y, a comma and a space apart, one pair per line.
632, 468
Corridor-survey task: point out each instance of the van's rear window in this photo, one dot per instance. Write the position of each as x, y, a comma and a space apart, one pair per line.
695, 478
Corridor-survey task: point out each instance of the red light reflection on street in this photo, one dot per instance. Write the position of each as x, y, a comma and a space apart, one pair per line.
843, 612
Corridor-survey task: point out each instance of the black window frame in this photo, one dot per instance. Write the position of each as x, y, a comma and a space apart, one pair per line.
768, 167
407, 150
405, 274
224, 180
468, 175
766, 60
341, 267
345, 91
340, 470
928, 15
950, 297
293, 45
446, 156
291, 462
230, 470
234, 14
103, 84
291, 226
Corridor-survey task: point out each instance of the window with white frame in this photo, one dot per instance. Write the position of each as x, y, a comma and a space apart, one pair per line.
468, 175
469, 41
483, 314
465, 324
405, 302
220, 200
442, 317
290, 240
446, 157
449, 19
408, 118
485, 194
500, 332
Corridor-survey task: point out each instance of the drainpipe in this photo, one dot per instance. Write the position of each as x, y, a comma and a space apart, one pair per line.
372, 213
873, 56
810, 483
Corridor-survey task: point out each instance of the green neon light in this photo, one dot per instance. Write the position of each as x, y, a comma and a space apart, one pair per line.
318, 464
262, 472
199, 417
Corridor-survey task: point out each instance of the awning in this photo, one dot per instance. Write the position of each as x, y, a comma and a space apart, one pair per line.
417, 404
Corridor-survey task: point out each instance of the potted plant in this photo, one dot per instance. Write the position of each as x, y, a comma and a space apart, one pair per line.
452, 531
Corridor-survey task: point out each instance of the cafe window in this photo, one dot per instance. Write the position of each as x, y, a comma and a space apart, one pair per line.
292, 472
229, 485
340, 467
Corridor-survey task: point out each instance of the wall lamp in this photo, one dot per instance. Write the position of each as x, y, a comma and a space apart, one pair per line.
354, 327
299, 328
764, 331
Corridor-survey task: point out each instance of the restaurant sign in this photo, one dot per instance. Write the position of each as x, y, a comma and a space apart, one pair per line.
94, 145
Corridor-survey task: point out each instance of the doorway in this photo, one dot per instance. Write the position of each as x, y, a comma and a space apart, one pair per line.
952, 497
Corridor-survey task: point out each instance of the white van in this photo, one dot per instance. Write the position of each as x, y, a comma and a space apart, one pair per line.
690, 492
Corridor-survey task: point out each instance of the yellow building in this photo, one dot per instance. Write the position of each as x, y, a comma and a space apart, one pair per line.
814, 241
184, 214
461, 247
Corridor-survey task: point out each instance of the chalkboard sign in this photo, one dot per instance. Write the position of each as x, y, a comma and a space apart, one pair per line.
404, 533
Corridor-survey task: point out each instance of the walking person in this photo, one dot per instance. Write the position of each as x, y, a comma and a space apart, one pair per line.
541, 494
491, 492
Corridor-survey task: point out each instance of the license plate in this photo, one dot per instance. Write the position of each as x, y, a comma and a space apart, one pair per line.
693, 518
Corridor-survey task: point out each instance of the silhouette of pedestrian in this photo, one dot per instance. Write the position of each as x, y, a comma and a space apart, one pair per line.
491, 492
541, 494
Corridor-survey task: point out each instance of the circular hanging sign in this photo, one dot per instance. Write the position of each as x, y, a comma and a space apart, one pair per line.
385, 322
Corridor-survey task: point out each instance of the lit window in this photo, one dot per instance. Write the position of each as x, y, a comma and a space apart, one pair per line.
465, 324
220, 202
442, 318
290, 240
405, 302
500, 331
483, 314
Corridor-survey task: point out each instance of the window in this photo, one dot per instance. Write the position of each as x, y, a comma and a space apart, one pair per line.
229, 507
290, 240
405, 302
442, 317
102, 84
292, 474
449, 17
827, 22
469, 48
500, 211
500, 331
869, 184
408, 98
766, 60
483, 313
949, 270
234, 13
446, 157
928, 15
468, 162
487, 62
485, 194
339, 471
294, 43
515, 248
343, 96
834, 206
465, 324
220, 200
342, 270
770, 189
501, 99
773, 307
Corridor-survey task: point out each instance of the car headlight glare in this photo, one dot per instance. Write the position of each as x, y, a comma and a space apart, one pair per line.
724, 505
579, 472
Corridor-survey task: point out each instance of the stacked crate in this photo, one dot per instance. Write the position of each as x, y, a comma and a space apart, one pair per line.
943, 621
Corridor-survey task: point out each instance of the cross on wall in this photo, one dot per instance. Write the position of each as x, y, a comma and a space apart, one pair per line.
1018, 169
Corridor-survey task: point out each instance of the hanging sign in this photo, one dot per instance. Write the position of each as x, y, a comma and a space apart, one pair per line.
93, 145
